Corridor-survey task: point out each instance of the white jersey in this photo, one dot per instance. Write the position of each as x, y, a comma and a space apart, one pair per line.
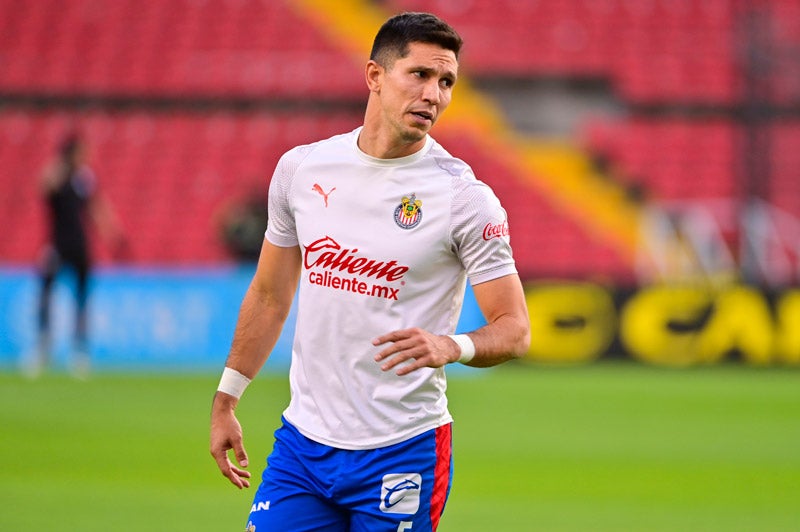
386, 244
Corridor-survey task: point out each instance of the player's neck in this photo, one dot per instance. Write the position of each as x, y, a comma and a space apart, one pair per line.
382, 146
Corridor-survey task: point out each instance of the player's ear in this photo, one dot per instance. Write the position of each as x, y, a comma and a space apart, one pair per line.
374, 76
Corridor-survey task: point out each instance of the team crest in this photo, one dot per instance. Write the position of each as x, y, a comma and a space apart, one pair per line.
408, 214
250, 527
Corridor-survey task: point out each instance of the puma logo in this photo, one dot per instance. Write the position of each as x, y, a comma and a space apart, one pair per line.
318, 189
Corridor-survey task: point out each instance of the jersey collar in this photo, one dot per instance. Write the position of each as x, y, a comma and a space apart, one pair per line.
399, 161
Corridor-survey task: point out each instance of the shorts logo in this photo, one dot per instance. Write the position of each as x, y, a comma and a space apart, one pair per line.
408, 214
400, 493
259, 506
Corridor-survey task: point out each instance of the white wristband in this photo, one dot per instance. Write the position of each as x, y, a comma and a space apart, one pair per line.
232, 382
467, 347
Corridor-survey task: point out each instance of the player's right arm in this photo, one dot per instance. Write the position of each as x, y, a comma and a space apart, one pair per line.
264, 309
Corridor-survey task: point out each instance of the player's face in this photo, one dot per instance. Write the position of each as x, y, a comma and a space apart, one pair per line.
417, 89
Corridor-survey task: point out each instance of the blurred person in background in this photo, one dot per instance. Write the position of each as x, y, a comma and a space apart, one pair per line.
380, 228
71, 196
242, 224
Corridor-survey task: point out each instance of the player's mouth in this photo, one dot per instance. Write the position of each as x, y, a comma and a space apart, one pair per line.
423, 116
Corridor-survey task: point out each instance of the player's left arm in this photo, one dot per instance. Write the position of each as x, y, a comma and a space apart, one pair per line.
505, 336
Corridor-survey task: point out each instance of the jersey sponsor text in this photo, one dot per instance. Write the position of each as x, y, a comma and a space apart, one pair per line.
496, 230
327, 255
353, 285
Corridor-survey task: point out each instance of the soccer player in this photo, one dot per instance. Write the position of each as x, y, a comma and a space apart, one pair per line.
380, 228
69, 188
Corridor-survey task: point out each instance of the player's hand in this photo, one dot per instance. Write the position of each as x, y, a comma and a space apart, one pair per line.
226, 435
415, 348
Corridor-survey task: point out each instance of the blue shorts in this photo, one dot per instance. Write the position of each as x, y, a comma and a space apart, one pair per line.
308, 486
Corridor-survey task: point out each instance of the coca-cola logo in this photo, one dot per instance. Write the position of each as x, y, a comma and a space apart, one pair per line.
328, 254
495, 230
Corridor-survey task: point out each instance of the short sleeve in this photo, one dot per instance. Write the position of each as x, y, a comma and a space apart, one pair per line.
480, 231
281, 228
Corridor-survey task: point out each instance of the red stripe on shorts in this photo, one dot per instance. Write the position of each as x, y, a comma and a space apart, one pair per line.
441, 473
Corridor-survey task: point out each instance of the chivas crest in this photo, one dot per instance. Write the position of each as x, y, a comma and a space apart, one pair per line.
408, 214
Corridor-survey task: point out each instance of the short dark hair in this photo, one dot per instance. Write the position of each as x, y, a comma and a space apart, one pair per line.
392, 40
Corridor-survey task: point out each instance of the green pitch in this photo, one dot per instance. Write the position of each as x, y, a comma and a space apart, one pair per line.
606, 447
